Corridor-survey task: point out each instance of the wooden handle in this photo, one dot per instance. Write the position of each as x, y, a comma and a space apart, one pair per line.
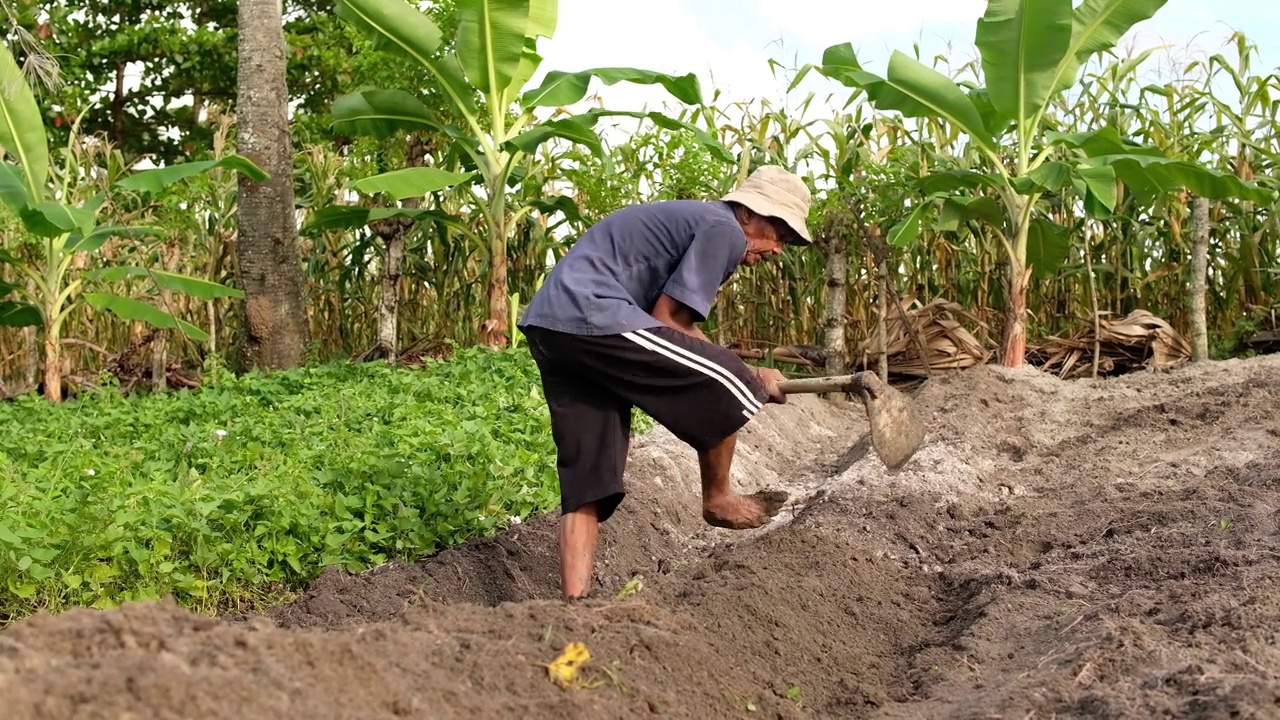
836, 383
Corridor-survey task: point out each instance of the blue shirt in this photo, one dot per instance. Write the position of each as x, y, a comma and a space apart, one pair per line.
611, 278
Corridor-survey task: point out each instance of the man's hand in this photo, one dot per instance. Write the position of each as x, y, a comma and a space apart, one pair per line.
770, 378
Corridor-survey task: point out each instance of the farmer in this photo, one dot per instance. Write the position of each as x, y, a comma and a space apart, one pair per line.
613, 327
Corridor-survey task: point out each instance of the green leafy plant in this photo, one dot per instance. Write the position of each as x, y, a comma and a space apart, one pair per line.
495, 56
60, 229
232, 496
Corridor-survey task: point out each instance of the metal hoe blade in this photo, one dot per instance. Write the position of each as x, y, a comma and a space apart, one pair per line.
896, 429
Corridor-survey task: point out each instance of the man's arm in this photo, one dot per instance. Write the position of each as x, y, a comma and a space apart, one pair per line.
677, 315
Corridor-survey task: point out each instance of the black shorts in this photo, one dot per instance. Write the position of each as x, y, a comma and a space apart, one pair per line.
701, 392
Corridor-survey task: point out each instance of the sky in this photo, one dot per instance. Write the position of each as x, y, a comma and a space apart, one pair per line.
729, 43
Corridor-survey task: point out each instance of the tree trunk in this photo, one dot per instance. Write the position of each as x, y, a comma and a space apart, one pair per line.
160, 347
1014, 347
30, 359
1199, 279
494, 330
837, 288
275, 331
882, 321
389, 299
392, 232
52, 367
1093, 299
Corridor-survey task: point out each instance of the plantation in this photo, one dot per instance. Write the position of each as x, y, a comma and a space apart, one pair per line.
260, 269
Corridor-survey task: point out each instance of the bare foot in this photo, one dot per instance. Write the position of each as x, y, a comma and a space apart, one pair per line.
738, 512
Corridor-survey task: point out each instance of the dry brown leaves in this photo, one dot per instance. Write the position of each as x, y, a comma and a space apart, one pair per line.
947, 344
1139, 340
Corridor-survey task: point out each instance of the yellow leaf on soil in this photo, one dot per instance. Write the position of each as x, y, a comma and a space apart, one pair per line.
564, 670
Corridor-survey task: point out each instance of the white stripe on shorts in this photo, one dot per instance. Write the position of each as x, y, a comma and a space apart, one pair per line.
699, 363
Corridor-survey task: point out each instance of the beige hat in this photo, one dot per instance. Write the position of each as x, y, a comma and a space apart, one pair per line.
773, 192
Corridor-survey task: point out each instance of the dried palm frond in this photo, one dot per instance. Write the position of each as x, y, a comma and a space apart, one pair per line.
1138, 340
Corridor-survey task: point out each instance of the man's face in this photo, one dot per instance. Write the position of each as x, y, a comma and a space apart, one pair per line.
764, 239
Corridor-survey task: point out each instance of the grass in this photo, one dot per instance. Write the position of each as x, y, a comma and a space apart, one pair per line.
231, 496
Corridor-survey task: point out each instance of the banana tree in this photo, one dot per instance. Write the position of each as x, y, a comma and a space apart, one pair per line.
1032, 52
57, 230
484, 79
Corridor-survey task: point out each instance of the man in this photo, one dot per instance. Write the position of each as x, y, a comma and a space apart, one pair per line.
614, 327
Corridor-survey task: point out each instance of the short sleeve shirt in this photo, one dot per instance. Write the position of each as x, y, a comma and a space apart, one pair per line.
610, 280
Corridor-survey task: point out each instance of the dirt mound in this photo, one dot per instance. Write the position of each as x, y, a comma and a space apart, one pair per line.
652, 533
1087, 548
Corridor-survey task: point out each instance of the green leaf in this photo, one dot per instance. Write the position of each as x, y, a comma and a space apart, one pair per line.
1150, 177
346, 217
22, 126
560, 203
96, 239
1099, 189
381, 113
449, 72
543, 16
965, 208
157, 179
949, 181
51, 219
12, 191
1022, 43
996, 122
491, 41
1104, 141
560, 88
8, 537
575, 129
911, 88
410, 182
1047, 246
399, 29
193, 286
138, 311
1049, 176
394, 27
906, 231
336, 217
173, 282
1097, 25
15, 313
572, 128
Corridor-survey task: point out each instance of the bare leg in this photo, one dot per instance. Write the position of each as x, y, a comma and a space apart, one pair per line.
722, 507
578, 533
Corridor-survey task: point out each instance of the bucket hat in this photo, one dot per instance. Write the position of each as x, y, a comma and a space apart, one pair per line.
774, 192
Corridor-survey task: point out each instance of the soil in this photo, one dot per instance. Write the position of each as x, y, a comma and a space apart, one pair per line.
1097, 549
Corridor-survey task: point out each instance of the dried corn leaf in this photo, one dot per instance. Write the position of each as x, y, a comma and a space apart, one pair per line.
1138, 340
948, 345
